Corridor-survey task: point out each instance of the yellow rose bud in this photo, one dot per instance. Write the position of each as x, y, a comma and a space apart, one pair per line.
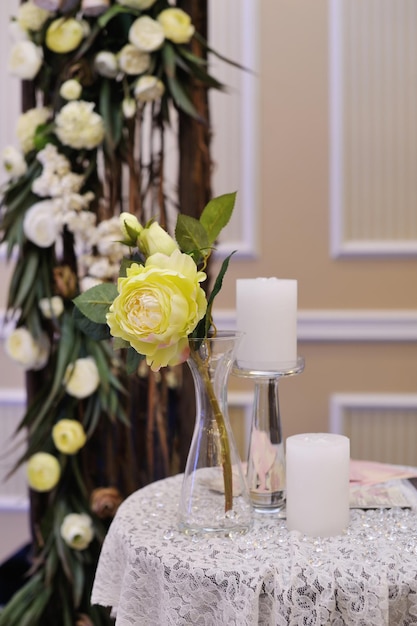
131, 228
77, 530
155, 239
158, 306
68, 436
64, 35
43, 471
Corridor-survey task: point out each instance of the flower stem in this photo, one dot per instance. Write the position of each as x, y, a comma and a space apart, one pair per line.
203, 366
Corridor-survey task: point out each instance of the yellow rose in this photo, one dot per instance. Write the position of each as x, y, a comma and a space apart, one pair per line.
64, 35
43, 471
68, 436
177, 25
158, 306
155, 239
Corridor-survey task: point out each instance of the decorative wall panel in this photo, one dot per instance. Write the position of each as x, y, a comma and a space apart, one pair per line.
373, 72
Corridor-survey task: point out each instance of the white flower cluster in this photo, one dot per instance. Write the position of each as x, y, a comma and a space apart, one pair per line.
98, 248
45, 220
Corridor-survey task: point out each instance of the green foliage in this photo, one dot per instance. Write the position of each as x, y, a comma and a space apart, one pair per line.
95, 302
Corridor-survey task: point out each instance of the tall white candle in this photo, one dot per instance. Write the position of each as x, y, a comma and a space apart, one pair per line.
266, 312
318, 483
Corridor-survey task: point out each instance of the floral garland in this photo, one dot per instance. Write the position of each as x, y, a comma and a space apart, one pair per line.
99, 70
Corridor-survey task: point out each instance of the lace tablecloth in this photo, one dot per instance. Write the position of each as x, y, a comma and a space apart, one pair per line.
154, 576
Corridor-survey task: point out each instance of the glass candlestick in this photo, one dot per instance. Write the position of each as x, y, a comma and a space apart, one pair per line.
265, 473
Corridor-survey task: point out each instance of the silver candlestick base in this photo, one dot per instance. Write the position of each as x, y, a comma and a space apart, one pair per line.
266, 457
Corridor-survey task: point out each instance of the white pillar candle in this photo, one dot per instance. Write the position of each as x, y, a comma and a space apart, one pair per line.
318, 483
266, 312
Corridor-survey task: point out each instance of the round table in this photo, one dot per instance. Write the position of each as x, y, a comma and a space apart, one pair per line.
152, 575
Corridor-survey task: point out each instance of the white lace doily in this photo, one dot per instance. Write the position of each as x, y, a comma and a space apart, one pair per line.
154, 576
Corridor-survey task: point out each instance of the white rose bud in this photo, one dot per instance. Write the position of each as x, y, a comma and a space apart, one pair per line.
77, 530
31, 354
133, 61
131, 227
105, 64
51, 307
146, 34
70, 89
13, 162
148, 88
129, 108
25, 60
81, 378
27, 124
40, 223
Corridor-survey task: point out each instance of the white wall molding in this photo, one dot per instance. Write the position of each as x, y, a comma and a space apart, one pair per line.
339, 402
344, 325
373, 129
234, 118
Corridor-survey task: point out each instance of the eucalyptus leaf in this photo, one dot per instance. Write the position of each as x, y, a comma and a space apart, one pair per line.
95, 302
216, 215
181, 99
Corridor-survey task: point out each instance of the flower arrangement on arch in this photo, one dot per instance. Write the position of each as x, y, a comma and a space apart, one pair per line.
108, 79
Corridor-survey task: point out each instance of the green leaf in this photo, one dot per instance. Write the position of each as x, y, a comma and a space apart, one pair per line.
95, 302
216, 215
98, 332
191, 235
181, 99
203, 326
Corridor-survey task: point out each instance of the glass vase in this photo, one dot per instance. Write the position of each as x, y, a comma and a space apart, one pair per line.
214, 497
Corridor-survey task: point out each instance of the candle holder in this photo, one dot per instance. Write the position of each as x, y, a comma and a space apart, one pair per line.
265, 473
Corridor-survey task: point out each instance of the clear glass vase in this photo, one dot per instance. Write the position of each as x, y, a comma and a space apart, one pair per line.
214, 496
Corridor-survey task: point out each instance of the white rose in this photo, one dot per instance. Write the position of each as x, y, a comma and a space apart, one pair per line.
40, 223
70, 89
51, 307
77, 530
137, 4
27, 125
105, 64
25, 350
78, 126
31, 16
81, 378
133, 61
176, 25
146, 34
25, 60
13, 162
16, 32
148, 88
